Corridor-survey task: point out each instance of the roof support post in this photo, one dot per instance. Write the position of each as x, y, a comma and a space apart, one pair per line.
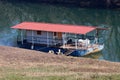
64, 40
32, 46
54, 39
18, 35
97, 36
25, 36
76, 45
21, 36
47, 39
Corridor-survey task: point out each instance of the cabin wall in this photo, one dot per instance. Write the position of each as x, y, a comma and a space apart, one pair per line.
33, 37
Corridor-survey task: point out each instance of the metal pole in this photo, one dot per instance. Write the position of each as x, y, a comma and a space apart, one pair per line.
32, 47
18, 35
76, 41
47, 39
21, 36
97, 36
25, 37
64, 40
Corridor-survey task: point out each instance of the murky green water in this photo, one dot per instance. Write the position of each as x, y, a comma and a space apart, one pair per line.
14, 13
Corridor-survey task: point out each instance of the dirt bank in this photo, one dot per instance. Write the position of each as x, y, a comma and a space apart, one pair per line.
21, 58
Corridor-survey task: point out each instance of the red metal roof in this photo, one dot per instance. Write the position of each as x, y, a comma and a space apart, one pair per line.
76, 29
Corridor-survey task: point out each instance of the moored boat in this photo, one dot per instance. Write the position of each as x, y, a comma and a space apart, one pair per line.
64, 38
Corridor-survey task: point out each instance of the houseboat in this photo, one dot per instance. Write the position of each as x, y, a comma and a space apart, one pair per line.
60, 38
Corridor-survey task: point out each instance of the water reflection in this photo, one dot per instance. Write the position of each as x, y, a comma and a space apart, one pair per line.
14, 13
113, 45
97, 55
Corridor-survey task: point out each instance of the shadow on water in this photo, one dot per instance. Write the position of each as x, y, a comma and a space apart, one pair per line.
11, 14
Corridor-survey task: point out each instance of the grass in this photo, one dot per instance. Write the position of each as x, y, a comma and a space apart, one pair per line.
18, 77
72, 77
21, 64
50, 73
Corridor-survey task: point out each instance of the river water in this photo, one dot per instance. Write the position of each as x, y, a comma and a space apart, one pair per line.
12, 13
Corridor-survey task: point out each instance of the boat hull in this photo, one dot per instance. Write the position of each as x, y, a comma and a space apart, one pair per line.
81, 52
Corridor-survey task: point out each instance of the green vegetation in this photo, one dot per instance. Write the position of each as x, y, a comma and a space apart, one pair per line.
81, 3
18, 77
50, 73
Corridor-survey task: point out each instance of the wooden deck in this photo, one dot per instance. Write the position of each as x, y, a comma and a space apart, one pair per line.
73, 47
91, 48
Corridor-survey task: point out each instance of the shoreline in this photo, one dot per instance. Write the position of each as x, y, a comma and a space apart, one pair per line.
22, 64
14, 55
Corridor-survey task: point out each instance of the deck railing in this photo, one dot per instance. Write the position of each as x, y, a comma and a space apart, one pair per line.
41, 40
53, 41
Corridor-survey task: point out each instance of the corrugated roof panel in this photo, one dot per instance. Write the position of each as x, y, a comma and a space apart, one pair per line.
76, 29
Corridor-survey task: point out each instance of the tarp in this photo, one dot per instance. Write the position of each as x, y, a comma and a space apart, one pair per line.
65, 28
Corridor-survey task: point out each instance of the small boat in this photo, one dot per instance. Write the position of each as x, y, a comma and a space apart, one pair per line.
90, 50
64, 38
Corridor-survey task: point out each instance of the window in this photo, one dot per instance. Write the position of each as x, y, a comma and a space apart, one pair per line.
39, 32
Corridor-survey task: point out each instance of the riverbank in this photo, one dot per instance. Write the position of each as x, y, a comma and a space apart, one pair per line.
22, 64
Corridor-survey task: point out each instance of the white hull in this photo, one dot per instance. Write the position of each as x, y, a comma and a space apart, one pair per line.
95, 49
